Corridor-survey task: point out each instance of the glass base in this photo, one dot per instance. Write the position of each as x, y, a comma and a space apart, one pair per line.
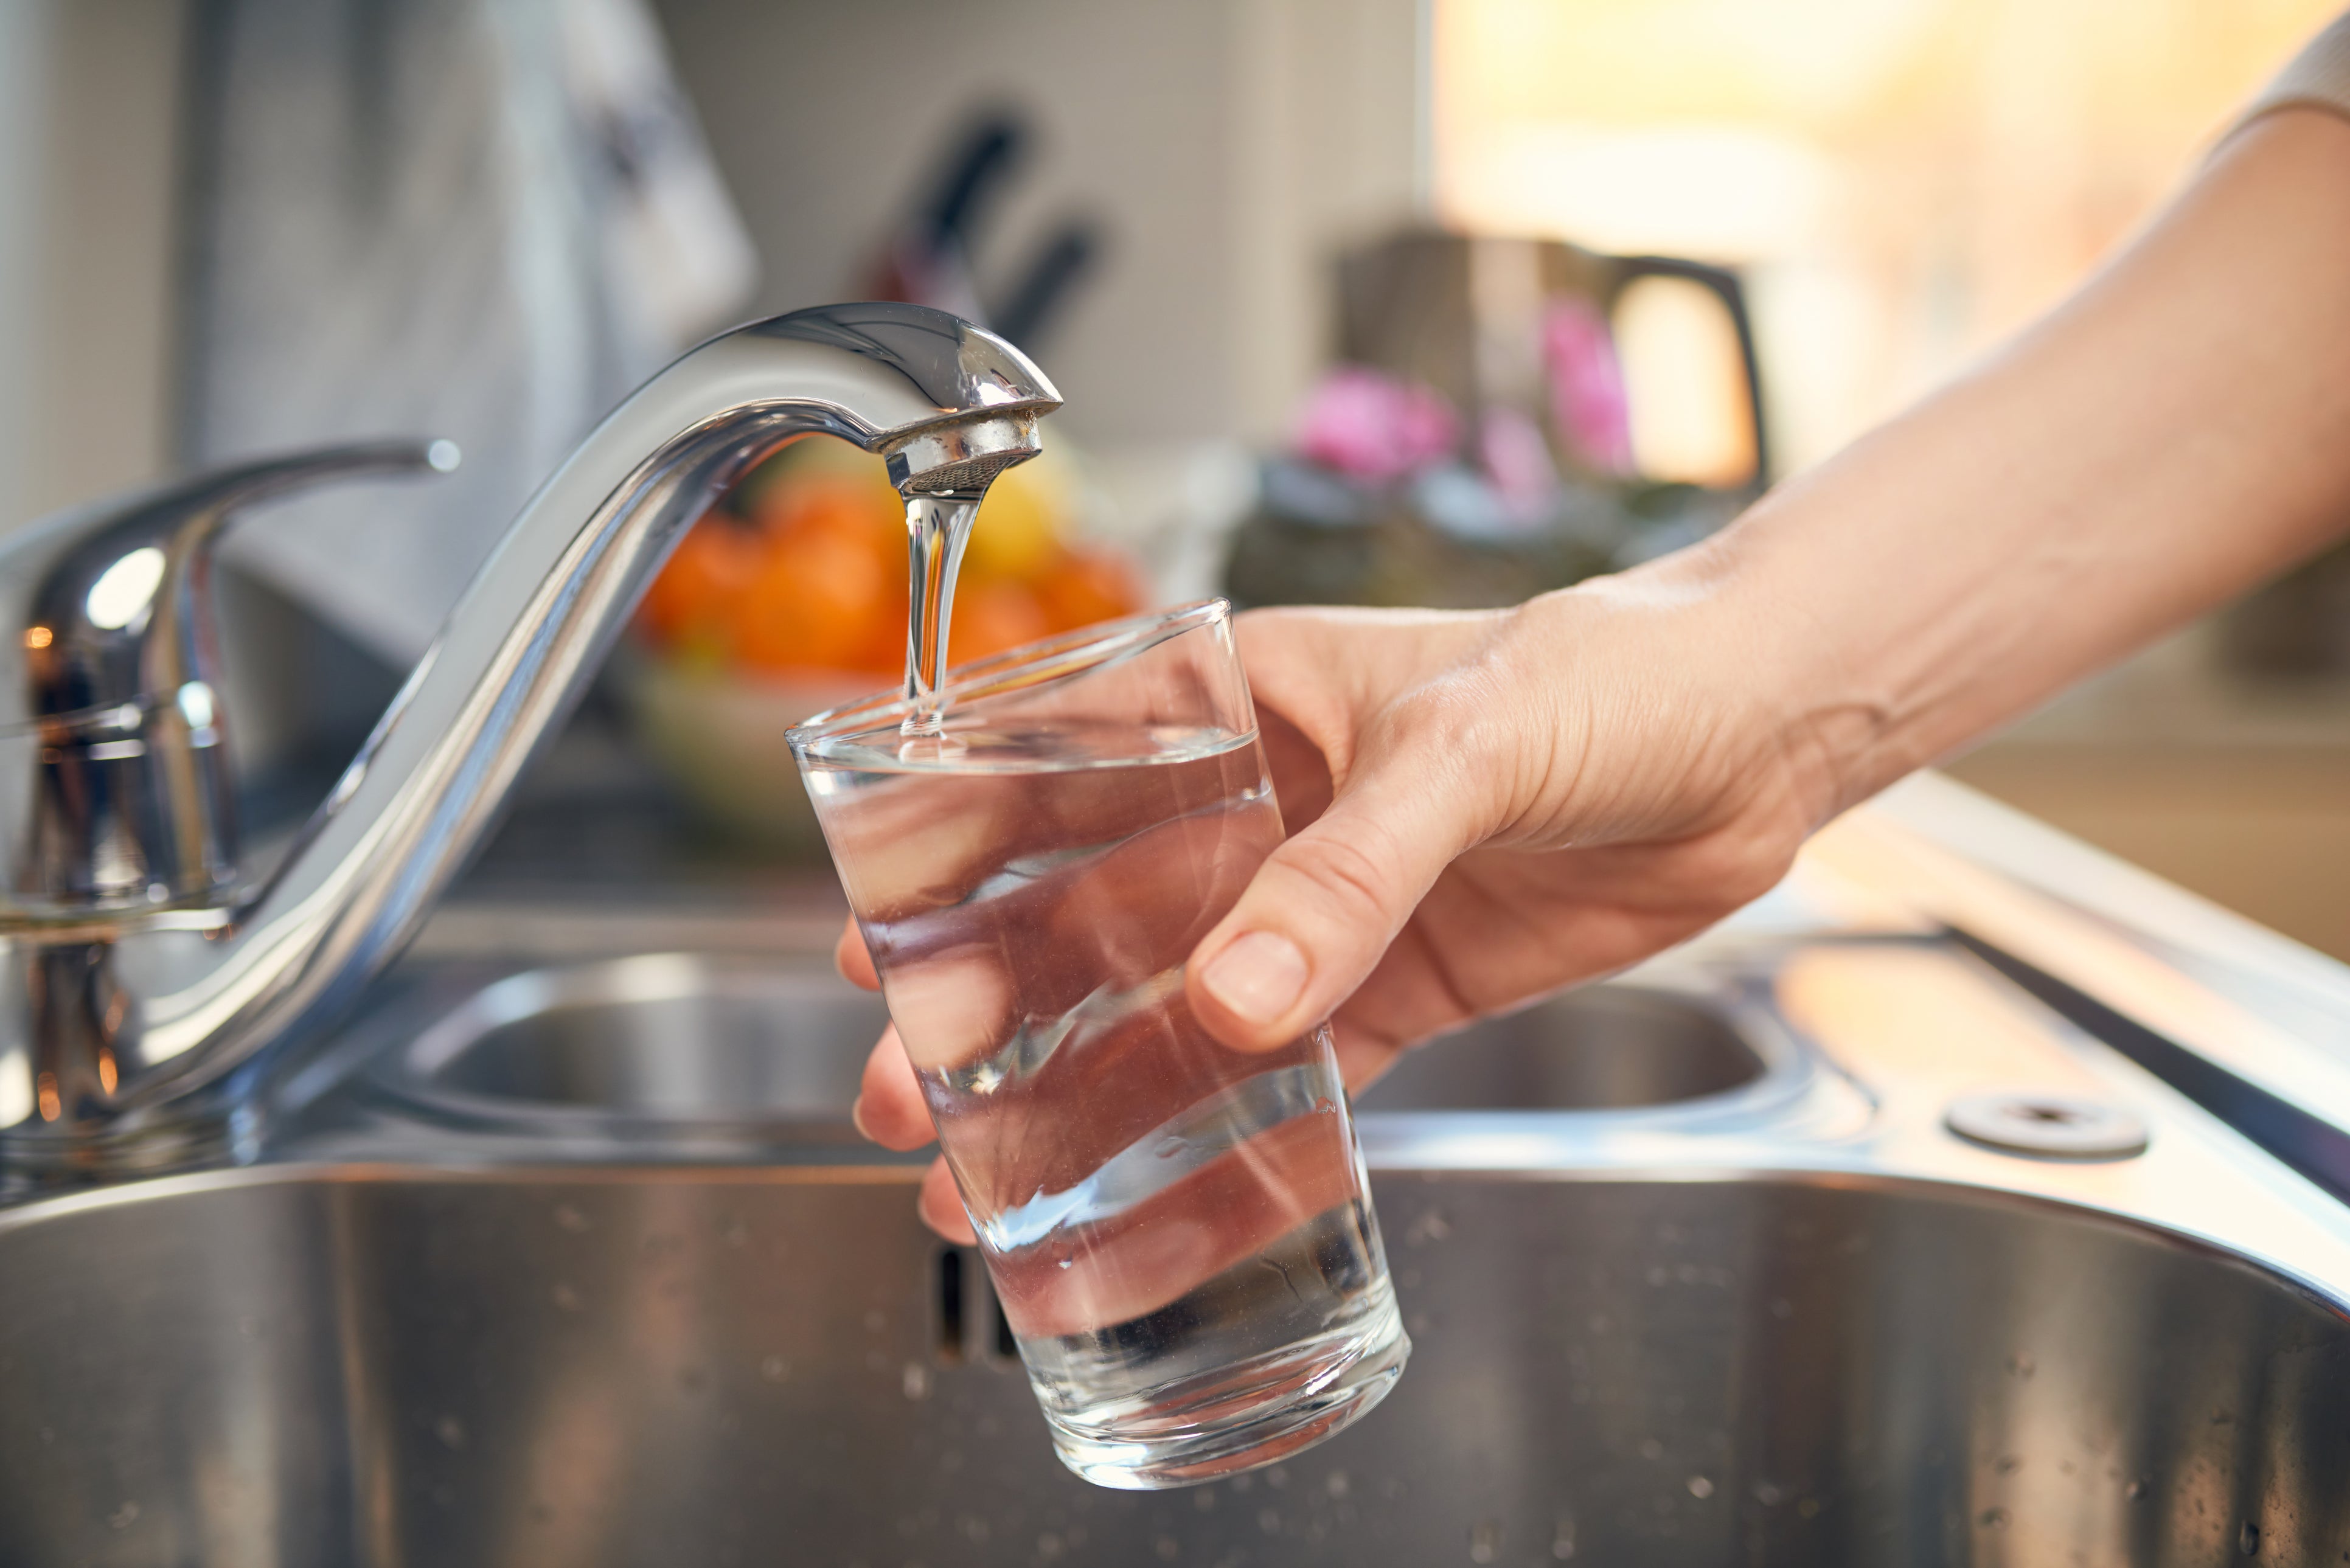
1238, 1417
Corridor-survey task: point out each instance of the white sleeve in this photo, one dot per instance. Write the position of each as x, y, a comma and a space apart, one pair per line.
2317, 78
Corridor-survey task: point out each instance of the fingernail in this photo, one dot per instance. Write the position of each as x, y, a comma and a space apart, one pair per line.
856, 1119
1258, 978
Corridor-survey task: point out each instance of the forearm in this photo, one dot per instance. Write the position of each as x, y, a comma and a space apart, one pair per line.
2176, 432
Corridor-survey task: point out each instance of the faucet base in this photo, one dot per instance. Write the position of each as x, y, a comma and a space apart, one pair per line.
41, 1162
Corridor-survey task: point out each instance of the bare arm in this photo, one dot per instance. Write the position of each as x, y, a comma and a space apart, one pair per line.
2175, 432
1485, 807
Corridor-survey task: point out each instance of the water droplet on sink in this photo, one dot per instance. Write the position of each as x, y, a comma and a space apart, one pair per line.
2020, 1365
571, 1219
123, 1518
451, 1431
1700, 1487
2137, 1488
876, 1319
1993, 1518
1168, 1548
1768, 1495
916, 1380
1484, 1541
775, 1368
1562, 1541
1269, 1521
1336, 1483
1650, 1449
567, 1298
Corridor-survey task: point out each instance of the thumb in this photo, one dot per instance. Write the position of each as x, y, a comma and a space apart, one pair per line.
1322, 908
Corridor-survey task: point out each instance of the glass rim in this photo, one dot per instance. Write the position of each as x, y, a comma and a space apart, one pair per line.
1061, 657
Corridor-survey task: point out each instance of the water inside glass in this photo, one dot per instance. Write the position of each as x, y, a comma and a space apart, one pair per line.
1180, 1234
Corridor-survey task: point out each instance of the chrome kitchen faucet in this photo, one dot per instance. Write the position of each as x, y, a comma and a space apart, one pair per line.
145, 981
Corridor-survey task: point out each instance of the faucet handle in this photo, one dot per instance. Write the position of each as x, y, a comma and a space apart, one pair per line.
116, 792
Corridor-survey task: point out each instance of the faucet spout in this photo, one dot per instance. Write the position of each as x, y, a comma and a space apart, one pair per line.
197, 1002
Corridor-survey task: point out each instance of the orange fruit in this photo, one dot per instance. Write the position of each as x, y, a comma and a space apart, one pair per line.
1087, 584
696, 590
813, 604
845, 479
990, 617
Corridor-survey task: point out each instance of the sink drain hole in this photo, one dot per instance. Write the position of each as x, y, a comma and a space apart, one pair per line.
1005, 1345
970, 1321
951, 1303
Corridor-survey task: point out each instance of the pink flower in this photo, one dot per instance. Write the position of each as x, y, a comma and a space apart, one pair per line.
1370, 426
1517, 462
1586, 387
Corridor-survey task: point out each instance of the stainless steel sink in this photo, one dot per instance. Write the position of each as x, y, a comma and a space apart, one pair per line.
661, 1038
1606, 1047
683, 1038
379, 1368
1696, 1271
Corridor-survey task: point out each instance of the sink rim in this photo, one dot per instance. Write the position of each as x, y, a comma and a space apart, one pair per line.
2081, 1208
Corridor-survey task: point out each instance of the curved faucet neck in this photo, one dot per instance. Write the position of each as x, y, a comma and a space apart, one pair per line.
196, 1011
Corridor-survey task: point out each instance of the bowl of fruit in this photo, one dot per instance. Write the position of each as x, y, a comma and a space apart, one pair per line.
790, 598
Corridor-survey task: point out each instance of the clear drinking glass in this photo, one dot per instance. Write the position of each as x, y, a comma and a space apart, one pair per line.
1180, 1234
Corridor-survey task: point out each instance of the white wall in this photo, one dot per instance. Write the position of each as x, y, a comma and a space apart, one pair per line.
89, 166
1231, 144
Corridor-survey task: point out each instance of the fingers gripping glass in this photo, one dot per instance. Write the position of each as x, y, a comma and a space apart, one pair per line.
1182, 1234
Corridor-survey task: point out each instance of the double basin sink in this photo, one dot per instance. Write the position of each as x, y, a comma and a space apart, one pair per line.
574, 1259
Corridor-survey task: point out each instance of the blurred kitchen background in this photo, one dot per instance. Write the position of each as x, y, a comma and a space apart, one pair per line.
1352, 300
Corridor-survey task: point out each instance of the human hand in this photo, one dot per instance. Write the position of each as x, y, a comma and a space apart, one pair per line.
1482, 807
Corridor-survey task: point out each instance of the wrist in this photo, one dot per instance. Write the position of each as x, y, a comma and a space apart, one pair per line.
1680, 695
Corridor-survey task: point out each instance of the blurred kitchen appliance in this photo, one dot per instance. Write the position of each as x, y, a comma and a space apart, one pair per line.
1475, 445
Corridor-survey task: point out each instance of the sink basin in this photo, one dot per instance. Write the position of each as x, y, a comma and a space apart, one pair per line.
1605, 1047
672, 1038
289, 1365
665, 1037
